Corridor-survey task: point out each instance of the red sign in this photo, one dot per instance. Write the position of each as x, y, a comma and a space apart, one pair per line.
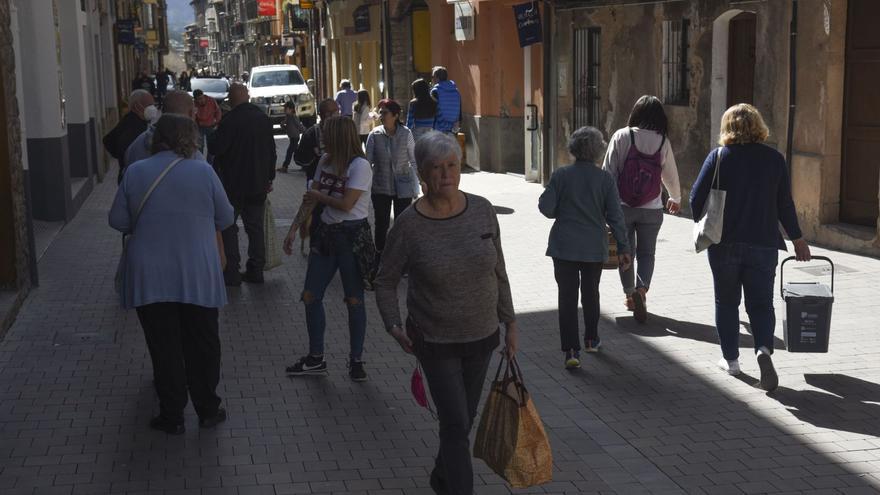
203, 43
266, 7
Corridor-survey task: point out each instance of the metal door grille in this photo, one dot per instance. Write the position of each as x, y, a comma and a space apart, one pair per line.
586, 77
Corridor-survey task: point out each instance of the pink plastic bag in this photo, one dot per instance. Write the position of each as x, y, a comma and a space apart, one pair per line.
417, 387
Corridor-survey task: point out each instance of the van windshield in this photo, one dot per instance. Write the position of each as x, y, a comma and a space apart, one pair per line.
276, 78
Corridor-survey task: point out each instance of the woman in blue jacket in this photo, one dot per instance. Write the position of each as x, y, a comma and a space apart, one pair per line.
756, 181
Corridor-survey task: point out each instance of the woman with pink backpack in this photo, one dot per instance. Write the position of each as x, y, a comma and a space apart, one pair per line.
639, 158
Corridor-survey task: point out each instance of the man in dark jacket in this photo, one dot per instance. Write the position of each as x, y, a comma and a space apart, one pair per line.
117, 141
244, 157
310, 146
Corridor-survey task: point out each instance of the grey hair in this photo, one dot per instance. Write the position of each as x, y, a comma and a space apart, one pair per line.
138, 95
587, 144
435, 146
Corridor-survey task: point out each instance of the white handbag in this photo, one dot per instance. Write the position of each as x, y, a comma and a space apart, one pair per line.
273, 247
708, 230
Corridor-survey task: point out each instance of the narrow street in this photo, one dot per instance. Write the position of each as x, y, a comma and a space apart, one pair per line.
649, 414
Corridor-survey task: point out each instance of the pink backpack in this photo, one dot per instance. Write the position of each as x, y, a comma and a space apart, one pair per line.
639, 181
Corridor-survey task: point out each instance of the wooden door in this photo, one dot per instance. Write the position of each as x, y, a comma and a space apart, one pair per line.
741, 60
860, 167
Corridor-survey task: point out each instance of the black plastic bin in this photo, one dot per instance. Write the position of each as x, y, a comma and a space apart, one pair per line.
807, 323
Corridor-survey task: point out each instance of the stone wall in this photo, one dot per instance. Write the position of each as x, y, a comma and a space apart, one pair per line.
630, 61
17, 181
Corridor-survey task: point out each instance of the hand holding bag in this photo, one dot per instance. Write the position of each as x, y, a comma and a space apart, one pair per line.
119, 281
708, 229
511, 437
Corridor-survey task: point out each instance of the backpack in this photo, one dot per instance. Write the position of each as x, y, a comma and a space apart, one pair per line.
639, 180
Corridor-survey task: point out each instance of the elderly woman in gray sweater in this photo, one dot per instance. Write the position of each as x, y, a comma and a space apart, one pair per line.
582, 199
457, 293
390, 149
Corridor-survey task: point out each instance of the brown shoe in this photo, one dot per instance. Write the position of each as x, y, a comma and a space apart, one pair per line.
283, 170
629, 304
640, 311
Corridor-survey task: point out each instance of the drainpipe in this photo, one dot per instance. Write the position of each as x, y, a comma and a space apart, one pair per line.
792, 82
549, 90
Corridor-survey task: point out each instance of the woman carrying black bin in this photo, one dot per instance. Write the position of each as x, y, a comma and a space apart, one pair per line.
758, 198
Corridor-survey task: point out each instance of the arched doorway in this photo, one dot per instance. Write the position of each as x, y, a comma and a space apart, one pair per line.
733, 61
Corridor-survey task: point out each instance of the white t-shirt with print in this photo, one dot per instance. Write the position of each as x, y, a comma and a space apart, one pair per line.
359, 176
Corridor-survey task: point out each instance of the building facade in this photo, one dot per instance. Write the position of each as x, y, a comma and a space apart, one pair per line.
81, 57
805, 64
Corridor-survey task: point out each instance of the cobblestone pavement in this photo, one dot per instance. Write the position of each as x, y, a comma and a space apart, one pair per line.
650, 414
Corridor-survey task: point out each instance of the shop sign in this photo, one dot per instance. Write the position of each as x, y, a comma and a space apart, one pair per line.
203, 43
306, 4
266, 7
362, 19
125, 31
528, 23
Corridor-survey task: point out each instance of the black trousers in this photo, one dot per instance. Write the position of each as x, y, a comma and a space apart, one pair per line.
291, 148
382, 211
455, 385
251, 212
184, 344
571, 275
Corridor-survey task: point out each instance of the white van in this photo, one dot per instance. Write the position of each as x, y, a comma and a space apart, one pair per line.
271, 86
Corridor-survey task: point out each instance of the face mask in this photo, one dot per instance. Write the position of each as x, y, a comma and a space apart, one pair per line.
151, 113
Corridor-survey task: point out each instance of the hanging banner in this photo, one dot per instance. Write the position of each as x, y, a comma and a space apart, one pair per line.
528, 23
362, 19
125, 31
266, 7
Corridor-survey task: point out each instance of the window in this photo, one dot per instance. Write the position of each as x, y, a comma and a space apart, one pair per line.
675, 56
586, 77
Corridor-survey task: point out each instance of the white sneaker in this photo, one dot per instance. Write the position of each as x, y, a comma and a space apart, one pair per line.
731, 367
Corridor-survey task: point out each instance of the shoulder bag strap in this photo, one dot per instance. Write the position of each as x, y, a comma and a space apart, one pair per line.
156, 182
716, 176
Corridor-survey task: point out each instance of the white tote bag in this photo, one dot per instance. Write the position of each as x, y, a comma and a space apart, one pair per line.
273, 248
708, 230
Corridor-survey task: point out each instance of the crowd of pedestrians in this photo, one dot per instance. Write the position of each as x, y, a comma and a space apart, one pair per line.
178, 217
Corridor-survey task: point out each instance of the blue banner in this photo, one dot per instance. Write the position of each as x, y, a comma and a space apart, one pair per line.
528, 23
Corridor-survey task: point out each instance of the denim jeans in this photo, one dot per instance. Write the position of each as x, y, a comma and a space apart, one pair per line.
571, 276
319, 273
738, 269
642, 227
456, 385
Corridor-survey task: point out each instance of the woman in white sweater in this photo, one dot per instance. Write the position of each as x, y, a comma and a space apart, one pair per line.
638, 170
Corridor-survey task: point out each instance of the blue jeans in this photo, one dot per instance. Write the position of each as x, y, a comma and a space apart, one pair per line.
319, 273
748, 269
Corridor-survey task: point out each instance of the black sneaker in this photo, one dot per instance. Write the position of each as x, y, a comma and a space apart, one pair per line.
214, 420
252, 277
308, 365
164, 424
769, 378
356, 371
232, 279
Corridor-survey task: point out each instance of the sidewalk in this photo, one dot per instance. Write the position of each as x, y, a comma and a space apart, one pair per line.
649, 414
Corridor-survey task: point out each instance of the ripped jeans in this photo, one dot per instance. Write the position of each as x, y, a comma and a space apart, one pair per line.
319, 273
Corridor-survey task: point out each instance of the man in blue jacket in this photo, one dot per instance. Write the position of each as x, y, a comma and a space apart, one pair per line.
448, 101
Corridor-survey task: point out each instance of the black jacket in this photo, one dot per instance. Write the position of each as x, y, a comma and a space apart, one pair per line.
120, 137
309, 150
244, 152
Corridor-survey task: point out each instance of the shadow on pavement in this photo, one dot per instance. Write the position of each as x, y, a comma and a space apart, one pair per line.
846, 403
660, 326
